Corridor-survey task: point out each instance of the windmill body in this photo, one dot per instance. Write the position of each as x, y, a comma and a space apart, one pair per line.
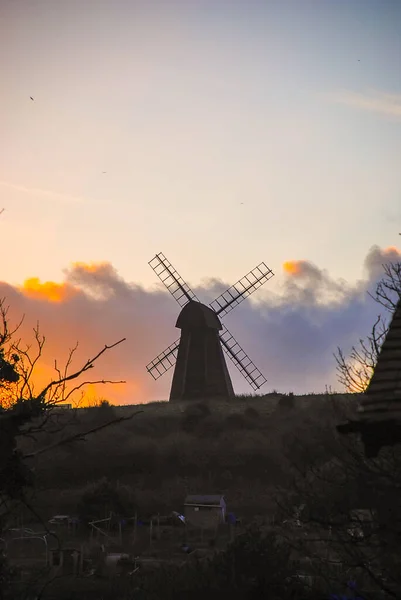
201, 370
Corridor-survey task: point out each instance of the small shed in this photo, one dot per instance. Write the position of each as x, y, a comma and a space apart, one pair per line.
205, 511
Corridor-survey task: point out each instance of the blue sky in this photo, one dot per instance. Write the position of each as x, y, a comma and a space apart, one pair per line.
230, 132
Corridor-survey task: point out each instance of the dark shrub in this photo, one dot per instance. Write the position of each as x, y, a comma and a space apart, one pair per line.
210, 426
251, 413
286, 402
193, 415
100, 499
236, 421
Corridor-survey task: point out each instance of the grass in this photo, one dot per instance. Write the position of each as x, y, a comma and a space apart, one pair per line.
235, 448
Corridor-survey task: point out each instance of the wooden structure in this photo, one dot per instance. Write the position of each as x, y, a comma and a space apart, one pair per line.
379, 415
201, 371
67, 561
204, 511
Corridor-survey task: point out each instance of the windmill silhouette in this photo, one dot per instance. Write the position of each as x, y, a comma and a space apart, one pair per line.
201, 371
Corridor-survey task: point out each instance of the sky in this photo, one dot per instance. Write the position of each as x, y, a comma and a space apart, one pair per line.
222, 133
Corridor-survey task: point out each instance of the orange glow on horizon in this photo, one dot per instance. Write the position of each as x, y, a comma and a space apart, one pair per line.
113, 393
90, 394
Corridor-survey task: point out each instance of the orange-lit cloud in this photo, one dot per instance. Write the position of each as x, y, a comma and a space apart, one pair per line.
60, 292
48, 290
377, 257
374, 261
391, 250
293, 267
91, 267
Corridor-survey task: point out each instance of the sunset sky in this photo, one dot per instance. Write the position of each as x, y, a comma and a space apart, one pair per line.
222, 133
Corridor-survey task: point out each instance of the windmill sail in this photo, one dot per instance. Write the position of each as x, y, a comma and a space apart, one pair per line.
167, 359
241, 360
162, 363
235, 294
172, 280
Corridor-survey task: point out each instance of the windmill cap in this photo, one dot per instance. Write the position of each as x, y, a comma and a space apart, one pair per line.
196, 315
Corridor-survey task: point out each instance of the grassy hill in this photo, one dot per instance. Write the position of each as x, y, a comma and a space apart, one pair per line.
242, 449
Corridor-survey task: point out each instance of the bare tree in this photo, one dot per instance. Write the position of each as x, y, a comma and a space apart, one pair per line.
25, 412
388, 290
355, 371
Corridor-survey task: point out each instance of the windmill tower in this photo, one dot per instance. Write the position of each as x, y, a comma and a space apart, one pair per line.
379, 416
201, 370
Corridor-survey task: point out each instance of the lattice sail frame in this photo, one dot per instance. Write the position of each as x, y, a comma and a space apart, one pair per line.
238, 292
222, 305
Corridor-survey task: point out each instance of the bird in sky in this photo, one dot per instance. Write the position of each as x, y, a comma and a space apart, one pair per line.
31, 98
2, 210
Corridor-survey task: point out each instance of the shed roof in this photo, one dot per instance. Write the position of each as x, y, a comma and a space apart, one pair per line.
212, 499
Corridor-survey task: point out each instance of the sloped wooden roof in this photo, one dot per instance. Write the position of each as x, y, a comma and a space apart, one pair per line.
205, 499
378, 418
382, 399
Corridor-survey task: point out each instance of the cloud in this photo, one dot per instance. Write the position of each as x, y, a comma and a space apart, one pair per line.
41, 192
290, 334
373, 101
308, 284
377, 257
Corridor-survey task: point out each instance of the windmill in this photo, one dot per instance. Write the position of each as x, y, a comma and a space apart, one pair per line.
201, 371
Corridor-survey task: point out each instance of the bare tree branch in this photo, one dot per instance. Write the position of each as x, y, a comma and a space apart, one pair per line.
388, 290
81, 436
6, 334
88, 365
355, 371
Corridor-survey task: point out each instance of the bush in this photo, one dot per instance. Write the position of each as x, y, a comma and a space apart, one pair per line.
286, 402
251, 413
236, 421
104, 411
210, 426
102, 498
193, 415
